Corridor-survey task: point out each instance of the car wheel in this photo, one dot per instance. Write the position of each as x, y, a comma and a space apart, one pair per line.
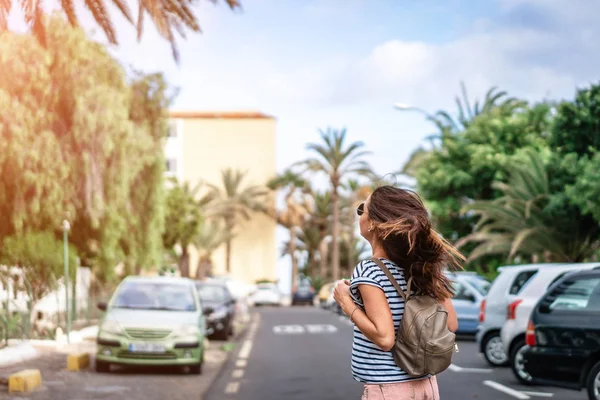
593, 382
493, 350
223, 334
517, 362
102, 367
196, 369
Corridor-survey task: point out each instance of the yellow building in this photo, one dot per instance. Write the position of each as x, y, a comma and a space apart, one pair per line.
199, 147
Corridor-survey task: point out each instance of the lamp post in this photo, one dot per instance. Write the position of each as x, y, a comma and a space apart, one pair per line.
66, 227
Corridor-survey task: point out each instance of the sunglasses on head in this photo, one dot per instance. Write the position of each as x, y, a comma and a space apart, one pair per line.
360, 209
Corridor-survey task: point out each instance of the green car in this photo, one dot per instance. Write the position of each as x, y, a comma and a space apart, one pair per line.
152, 321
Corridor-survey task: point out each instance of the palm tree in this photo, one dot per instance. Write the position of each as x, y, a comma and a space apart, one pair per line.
168, 16
515, 224
338, 162
234, 201
294, 215
211, 235
320, 219
309, 241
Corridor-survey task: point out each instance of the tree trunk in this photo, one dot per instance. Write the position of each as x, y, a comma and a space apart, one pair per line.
323, 254
293, 255
184, 262
204, 268
335, 234
228, 256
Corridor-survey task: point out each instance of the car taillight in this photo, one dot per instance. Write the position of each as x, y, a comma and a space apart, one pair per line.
512, 308
530, 335
312, 289
482, 312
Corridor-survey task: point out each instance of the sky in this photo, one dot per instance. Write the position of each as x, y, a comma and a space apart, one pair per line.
315, 64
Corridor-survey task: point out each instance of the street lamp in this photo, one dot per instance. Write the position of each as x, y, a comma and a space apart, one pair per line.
66, 228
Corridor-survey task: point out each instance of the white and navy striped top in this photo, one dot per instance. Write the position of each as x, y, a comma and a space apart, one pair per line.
370, 364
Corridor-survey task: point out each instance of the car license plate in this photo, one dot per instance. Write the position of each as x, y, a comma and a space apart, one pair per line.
146, 348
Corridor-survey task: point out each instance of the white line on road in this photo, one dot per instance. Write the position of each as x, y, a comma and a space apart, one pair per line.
288, 329
241, 363
456, 368
539, 394
237, 373
232, 387
246, 349
505, 389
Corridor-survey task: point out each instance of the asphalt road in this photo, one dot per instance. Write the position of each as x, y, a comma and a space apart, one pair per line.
304, 353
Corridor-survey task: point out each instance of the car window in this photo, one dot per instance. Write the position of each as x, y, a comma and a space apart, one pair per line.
480, 284
155, 296
212, 293
520, 280
461, 292
572, 295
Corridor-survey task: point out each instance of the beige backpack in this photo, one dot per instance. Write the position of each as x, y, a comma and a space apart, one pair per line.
424, 344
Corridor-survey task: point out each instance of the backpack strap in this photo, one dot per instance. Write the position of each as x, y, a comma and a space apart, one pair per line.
386, 271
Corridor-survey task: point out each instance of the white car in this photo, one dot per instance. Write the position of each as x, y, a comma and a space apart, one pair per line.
492, 310
266, 294
519, 311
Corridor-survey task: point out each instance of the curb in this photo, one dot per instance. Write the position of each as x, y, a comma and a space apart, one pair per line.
219, 372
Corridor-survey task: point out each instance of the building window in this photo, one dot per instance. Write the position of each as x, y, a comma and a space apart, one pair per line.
173, 129
172, 165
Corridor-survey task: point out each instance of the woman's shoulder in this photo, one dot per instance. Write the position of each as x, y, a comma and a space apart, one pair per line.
368, 267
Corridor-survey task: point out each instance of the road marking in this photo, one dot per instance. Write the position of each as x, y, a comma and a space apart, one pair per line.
456, 368
246, 349
505, 389
237, 373
241, 363
288, 329
232, 387
538, 394
321, 328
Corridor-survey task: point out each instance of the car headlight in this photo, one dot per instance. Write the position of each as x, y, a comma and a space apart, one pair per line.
218, 314
189, 330
112, 327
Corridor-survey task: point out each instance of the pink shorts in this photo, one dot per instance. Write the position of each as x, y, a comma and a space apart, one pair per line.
421, 389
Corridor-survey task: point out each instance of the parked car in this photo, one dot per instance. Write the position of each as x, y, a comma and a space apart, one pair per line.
469, 292
324, 293
219, 309
303, 293
519, 311
563, 335
492, 313
152, 321
266, 294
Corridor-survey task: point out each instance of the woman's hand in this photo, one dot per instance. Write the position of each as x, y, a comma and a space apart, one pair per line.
341, 294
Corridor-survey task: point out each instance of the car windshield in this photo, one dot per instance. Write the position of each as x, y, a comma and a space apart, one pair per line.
155, 296
480, 284
211, 293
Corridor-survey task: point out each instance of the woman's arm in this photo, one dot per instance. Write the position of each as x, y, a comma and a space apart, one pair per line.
376, 322
452, 318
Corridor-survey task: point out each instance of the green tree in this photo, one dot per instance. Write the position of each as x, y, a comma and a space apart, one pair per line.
80, 139
211, 235
169, 17
183, 219
516, 223
234, 201
40, 256
338, 162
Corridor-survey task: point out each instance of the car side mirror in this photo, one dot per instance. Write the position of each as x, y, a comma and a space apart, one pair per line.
102, 306
208, 311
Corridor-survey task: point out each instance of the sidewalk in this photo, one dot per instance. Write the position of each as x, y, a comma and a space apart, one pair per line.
142, 383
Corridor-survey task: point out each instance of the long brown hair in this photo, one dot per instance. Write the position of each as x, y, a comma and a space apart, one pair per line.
402, 223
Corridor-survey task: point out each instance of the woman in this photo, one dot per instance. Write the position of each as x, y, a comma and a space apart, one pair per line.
397, 225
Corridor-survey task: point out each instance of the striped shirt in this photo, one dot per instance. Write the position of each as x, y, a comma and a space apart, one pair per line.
370, 364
